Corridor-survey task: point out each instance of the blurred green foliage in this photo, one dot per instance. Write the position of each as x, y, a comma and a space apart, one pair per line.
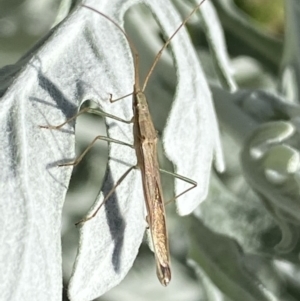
270, 13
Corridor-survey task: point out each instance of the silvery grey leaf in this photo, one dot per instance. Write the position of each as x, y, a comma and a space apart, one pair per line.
231, 116
216, 40
289, 84
271, 133
48, 90
281, 161
32, 185
254, 167
275, 178
289, 233
264, 106
243, 111
258, 174
226, 265
211, 292
201, 139
225, 213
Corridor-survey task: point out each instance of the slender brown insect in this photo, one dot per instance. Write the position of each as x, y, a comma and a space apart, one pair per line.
145, 145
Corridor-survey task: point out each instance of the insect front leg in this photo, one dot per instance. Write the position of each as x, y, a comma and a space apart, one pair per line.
104, 138
86, 110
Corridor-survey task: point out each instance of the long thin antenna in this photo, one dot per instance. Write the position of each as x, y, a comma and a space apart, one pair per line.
166, 44
131, 45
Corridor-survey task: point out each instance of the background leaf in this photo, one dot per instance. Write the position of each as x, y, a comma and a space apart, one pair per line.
234, 212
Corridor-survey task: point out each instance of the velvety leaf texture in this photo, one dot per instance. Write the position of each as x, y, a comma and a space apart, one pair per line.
228, 82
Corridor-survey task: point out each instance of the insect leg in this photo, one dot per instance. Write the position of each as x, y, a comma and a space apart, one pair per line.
117, 99
185, 179
108, 195
85, 110
77, 160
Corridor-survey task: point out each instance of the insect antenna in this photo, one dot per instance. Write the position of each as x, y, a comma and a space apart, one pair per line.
159, 54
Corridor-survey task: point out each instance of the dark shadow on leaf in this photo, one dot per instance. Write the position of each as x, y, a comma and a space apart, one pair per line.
54, 177
36, 99
121, 162
61, 130
115, 220
63, 103
57, 96
13, 142
59, 162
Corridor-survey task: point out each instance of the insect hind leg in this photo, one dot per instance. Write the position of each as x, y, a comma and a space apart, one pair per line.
180, 177
121, 179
